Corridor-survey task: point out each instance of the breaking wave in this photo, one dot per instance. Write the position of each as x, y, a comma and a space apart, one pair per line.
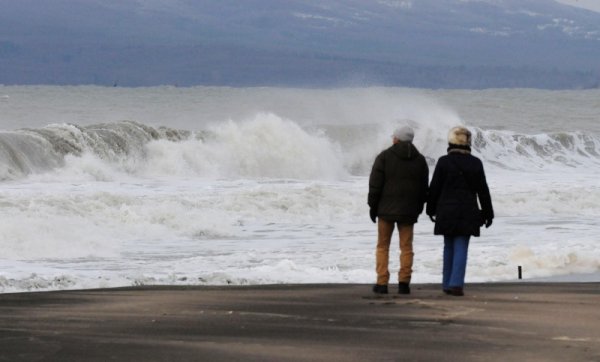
266, 146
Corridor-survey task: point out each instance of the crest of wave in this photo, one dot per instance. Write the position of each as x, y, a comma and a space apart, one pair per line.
31, 151
518, 151
264, 146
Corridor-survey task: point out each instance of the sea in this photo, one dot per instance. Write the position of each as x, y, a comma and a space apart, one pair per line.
106, 187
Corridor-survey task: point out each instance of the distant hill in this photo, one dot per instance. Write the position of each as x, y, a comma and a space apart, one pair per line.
326, 43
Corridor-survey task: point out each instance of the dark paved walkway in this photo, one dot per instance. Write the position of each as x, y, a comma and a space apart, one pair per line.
493, 322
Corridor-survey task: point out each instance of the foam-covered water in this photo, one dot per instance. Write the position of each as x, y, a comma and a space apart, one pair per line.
107, 187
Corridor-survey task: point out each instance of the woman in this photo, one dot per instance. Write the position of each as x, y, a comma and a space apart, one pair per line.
458, 181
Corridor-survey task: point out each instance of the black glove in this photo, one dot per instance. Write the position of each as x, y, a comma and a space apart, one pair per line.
488, 223
432, 218
373, 214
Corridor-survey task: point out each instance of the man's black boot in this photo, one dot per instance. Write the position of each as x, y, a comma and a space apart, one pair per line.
380, 289
403, 288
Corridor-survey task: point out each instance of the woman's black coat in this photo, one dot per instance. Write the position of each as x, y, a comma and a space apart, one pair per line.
458, 180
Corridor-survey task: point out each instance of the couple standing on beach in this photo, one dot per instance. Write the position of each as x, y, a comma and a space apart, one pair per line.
398, 191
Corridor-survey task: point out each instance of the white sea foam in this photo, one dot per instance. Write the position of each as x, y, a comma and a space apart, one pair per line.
275, 195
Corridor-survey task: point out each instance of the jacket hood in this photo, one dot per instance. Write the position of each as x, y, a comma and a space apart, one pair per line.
405, 150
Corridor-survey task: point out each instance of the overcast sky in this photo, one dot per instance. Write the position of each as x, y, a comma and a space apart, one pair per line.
587, 4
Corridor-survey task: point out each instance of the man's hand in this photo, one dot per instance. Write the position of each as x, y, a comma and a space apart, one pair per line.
373, 214
432, 218
488, 223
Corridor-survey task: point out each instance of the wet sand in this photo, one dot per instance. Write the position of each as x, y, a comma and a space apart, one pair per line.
492, 322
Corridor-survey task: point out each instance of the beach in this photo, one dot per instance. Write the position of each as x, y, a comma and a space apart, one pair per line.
218, 223
519, 321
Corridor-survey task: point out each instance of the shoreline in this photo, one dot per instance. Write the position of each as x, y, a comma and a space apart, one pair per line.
529, 321
577, 278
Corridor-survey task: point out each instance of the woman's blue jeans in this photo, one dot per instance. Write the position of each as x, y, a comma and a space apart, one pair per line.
455, 260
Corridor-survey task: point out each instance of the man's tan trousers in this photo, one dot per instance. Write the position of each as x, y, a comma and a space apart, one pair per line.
384, 237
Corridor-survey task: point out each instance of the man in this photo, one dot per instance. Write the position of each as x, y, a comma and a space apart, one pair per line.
397, 193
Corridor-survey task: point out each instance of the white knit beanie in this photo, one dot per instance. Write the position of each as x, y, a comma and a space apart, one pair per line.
405, 134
